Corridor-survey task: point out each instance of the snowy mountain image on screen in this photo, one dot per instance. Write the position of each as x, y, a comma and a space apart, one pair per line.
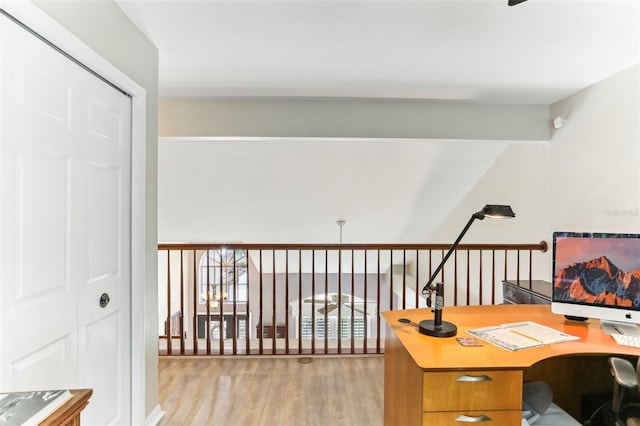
598, 281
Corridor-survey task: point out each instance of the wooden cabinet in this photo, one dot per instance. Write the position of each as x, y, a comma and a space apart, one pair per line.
434, 381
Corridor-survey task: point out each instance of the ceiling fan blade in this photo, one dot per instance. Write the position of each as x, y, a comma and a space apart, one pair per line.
330, 308
360, 311
515, 2
350, 306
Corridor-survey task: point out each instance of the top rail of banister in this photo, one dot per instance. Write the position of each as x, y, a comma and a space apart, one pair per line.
541, 246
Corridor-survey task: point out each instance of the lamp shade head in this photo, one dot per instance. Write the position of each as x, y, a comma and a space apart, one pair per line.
497, 211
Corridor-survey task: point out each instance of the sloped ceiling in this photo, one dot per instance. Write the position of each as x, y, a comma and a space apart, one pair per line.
294, 191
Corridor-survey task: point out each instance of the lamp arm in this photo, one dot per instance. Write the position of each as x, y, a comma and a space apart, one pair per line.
428, 285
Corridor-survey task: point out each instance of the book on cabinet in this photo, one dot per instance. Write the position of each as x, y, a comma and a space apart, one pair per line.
30, 408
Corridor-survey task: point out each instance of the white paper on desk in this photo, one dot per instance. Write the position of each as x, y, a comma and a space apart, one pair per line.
521, 335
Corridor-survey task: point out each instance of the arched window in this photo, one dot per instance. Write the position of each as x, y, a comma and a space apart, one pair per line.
224, 277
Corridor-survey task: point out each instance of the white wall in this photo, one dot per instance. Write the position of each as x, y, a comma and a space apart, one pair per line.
587, 178
595, 158
106, 29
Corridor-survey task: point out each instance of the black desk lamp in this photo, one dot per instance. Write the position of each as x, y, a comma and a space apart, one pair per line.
436, 327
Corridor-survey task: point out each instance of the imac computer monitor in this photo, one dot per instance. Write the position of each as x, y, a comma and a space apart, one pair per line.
597, 275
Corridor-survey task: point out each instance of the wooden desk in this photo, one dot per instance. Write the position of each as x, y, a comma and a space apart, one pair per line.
422, 374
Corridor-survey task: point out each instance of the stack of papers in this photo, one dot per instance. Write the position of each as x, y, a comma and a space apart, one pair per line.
521, 335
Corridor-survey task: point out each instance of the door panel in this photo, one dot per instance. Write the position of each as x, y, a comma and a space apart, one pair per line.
38, 232
65, 179
102, 219
44, 364
100, 353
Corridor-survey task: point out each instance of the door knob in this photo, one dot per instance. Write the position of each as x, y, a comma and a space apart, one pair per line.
104, 300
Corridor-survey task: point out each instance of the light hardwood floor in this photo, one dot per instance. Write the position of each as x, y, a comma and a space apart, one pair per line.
272, 391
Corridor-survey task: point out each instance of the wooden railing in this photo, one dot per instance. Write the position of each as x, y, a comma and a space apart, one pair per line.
317, 298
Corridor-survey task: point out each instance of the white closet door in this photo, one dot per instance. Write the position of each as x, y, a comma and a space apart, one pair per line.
65, 182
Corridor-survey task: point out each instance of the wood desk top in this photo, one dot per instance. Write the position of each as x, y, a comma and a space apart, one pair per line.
434, 353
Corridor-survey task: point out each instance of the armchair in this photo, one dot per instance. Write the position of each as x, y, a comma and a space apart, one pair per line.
626, 379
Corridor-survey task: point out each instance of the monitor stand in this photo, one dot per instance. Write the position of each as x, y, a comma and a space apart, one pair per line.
615, 327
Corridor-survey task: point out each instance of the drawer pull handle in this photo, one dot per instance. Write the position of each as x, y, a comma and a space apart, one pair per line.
465, 378
471, 419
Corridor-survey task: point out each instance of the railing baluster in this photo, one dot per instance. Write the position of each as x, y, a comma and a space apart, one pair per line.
195, 308
480, 280
353, 303
442, 273
221, 331
339, 301
234, 314
468, 277
286, 305
208, 319
168, 320
325, 324
260, 301
505, 263
300, 299
518, 268
493, 277
182, 342
274, 304
248, 325
378, 337
404, 279
366, 304
313, 301
274, 324
391, 291
455, 278
417, 270
530, 267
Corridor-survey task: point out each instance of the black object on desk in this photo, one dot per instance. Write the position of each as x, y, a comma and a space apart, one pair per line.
526, 292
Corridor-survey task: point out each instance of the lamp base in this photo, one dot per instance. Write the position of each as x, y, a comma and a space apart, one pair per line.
446, 329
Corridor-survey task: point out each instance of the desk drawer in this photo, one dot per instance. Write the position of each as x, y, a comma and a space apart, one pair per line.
453, 418
472, 390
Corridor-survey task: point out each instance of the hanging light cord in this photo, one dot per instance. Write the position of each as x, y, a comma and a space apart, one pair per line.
341, 223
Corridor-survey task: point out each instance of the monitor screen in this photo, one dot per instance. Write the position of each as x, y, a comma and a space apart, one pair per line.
596, 275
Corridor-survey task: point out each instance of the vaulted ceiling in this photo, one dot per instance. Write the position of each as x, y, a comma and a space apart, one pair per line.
283, 190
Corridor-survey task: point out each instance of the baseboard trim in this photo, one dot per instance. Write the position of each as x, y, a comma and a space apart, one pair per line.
156, 415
